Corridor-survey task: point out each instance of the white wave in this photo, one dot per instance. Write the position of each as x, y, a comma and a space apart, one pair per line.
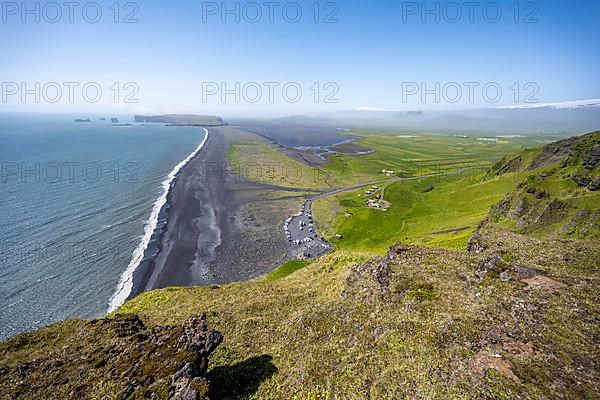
126, 282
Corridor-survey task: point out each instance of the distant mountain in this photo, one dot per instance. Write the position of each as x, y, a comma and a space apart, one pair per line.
558, 118
374, 109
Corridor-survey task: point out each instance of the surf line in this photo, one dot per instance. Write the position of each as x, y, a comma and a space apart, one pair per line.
125, 285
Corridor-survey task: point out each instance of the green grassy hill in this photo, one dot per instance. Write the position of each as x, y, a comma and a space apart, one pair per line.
560, 194
514, 317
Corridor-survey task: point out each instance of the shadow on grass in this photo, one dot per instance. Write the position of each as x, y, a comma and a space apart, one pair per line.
242, 379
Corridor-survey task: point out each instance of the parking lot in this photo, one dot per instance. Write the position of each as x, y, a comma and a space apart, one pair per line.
301, 235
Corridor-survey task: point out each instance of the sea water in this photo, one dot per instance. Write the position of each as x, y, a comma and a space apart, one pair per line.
75, 201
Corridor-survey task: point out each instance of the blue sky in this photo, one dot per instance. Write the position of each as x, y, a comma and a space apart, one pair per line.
373, 55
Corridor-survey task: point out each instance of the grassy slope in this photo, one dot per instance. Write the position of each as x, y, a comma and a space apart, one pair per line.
548, 202
286, 269
337, 331
410, 325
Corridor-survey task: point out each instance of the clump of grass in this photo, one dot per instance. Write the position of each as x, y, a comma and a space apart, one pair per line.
507, 256
421, 292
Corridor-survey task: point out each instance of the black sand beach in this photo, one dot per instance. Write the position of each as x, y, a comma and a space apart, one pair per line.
219, 227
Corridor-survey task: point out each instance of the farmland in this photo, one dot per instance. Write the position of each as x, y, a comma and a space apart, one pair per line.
439, 211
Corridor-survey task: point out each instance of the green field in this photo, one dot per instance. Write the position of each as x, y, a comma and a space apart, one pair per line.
444, 211
259, 162
444, 216
405, 154
417, 154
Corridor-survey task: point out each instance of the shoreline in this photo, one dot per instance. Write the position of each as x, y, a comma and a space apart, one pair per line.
150, 245
195, 222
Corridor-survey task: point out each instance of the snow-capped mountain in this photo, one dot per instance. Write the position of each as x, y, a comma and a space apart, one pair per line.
558, 106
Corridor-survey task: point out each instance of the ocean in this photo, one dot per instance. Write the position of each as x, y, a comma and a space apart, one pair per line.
76, 200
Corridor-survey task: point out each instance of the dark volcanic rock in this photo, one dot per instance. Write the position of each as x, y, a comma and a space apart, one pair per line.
198, 338
554, 152
493, 263
581, 180
507, 164
521, 272
570, 151
475, 244
188, 383
136, 361
506, 271
592, 159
